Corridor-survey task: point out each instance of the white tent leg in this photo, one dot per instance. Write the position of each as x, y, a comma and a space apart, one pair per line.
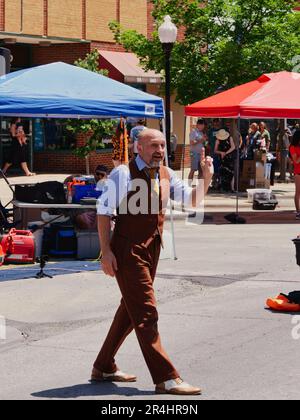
171, 209
183, 158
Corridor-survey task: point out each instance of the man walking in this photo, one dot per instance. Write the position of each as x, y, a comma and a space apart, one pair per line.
132, 257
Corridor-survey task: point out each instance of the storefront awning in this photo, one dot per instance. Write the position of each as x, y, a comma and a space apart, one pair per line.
127, 66
17, 38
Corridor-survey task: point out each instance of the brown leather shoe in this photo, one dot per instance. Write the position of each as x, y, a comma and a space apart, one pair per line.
118, 376
177, 387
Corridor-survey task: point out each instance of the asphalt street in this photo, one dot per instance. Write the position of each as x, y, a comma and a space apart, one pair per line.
213, 322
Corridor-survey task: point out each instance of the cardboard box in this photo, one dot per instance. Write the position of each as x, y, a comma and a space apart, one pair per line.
246, 183
249, 168
252, 169
259, 171
260, 156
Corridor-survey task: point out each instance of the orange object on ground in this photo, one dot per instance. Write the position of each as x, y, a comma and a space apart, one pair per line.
282, 303
2, 256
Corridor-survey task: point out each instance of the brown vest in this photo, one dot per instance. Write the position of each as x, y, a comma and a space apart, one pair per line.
142, 228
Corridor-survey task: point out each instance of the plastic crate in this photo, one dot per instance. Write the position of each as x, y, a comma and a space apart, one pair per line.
60, 241
260, 193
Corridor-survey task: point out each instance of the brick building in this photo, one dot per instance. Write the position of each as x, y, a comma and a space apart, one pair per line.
43, 31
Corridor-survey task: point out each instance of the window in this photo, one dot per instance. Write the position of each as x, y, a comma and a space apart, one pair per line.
52, 135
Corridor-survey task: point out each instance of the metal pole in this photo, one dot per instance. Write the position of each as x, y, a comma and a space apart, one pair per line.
167, 50
171, 208
31, 145
184, 144
234, 217
238, 166
1, 145
183, 160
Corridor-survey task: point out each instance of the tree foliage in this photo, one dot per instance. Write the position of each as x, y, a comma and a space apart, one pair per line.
91, 62
226, 43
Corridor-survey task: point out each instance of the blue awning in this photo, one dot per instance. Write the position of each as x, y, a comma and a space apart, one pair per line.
60, 90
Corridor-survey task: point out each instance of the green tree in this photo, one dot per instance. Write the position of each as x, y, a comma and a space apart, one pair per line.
95, 130
225, 43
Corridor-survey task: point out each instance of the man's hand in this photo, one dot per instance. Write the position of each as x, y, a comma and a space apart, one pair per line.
109, 264
207, 166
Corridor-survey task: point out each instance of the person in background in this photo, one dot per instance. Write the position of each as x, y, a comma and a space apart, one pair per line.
101, 174
15, 122
284, 139
198, 139
265, 136
134, 134
216, 126
173, 141
252, 141
294, 127
227, 126
18, 147
295, 155
225, 148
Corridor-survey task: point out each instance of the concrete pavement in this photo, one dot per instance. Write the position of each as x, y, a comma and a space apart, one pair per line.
212, 321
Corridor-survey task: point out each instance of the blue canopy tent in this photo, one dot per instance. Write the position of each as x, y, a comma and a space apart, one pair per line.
60, 90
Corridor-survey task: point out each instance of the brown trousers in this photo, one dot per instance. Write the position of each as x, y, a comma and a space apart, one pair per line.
136, 271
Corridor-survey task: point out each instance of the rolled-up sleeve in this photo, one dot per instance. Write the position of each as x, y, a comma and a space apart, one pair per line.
180, 190
114, 191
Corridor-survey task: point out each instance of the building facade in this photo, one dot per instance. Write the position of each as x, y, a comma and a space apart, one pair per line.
39, 32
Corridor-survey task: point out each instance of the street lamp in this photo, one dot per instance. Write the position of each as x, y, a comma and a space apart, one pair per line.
168, 35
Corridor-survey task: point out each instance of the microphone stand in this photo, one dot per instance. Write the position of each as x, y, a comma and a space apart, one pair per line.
41, 274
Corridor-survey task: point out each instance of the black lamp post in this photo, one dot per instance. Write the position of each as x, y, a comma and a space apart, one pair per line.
168, 35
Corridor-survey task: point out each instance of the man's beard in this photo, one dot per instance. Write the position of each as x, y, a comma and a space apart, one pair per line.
155, 164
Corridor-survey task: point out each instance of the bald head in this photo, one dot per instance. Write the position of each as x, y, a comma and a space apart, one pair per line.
151, 146
149, 134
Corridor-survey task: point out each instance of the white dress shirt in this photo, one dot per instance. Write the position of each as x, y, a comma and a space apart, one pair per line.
119, 184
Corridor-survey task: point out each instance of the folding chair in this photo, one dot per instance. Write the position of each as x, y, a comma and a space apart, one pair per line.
8, 183
6, 218
7, 214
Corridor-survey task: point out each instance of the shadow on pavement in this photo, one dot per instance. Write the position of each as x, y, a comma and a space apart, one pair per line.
282, 312
91, 390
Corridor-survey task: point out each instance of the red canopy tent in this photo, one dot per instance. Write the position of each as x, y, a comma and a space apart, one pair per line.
274, 95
